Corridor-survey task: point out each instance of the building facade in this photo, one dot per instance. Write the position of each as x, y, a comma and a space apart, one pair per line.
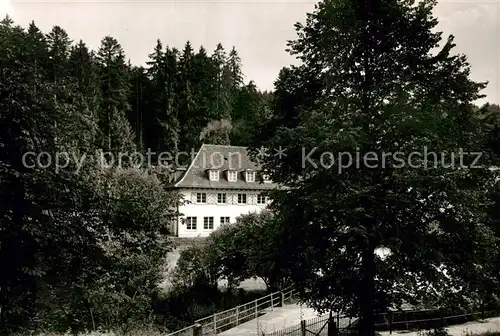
221, 184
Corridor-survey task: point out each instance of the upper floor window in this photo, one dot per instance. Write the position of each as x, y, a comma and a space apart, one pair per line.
201, 198
221, 198
214, 175
232, 175
242, 198
250, 176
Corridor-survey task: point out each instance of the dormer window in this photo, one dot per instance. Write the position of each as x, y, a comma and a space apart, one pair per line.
232, 175
266, 178
214, 175
250, 176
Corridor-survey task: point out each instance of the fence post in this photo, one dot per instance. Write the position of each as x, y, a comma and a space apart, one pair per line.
303, 328
237, 314
390, 321
442, 313
215, 324
282, 299
332, 327
197, 329
272, 301
256, 306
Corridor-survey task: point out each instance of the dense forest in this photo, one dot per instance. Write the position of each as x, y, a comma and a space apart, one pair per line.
180, 99
84, 247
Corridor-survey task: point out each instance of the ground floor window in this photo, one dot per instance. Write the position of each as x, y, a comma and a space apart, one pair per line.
261, 199
208, 223
190, 223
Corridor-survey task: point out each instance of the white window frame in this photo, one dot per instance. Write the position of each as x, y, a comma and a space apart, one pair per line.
241, 198
261, 199
208, 223
232, 175
191, 223
201, 197
225, 220
265, 178
214, 175
250, 176
223, 197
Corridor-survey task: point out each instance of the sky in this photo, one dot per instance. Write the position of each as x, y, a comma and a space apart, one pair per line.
258, 29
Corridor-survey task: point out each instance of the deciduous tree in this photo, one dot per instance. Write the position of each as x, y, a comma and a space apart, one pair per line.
370, 84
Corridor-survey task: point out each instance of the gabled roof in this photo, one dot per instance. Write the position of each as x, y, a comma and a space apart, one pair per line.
222, 158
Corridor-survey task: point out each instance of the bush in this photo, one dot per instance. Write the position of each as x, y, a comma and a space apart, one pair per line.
234, 252
99, 267
250, 248
441, 331
195, 267
135, 246
180, 308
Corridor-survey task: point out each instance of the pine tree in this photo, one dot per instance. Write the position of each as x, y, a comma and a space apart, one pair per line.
57, 68
222, 108
37, 49
59, 46
155, 75
163, 112
234, 68
188, 118
246, 114
7, 21
139, 98
82, 66
115, 87
205, 89
170, 121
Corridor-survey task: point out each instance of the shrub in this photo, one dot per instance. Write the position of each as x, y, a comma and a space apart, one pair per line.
441, 331
105, 261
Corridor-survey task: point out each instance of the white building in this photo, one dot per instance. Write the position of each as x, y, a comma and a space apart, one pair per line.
221, 184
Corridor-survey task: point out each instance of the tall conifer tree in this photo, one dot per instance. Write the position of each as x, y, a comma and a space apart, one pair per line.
115, 87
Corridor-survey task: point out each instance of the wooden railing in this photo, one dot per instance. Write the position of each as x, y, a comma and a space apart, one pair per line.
227, 319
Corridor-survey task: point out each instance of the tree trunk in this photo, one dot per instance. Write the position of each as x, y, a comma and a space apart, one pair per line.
367, 293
